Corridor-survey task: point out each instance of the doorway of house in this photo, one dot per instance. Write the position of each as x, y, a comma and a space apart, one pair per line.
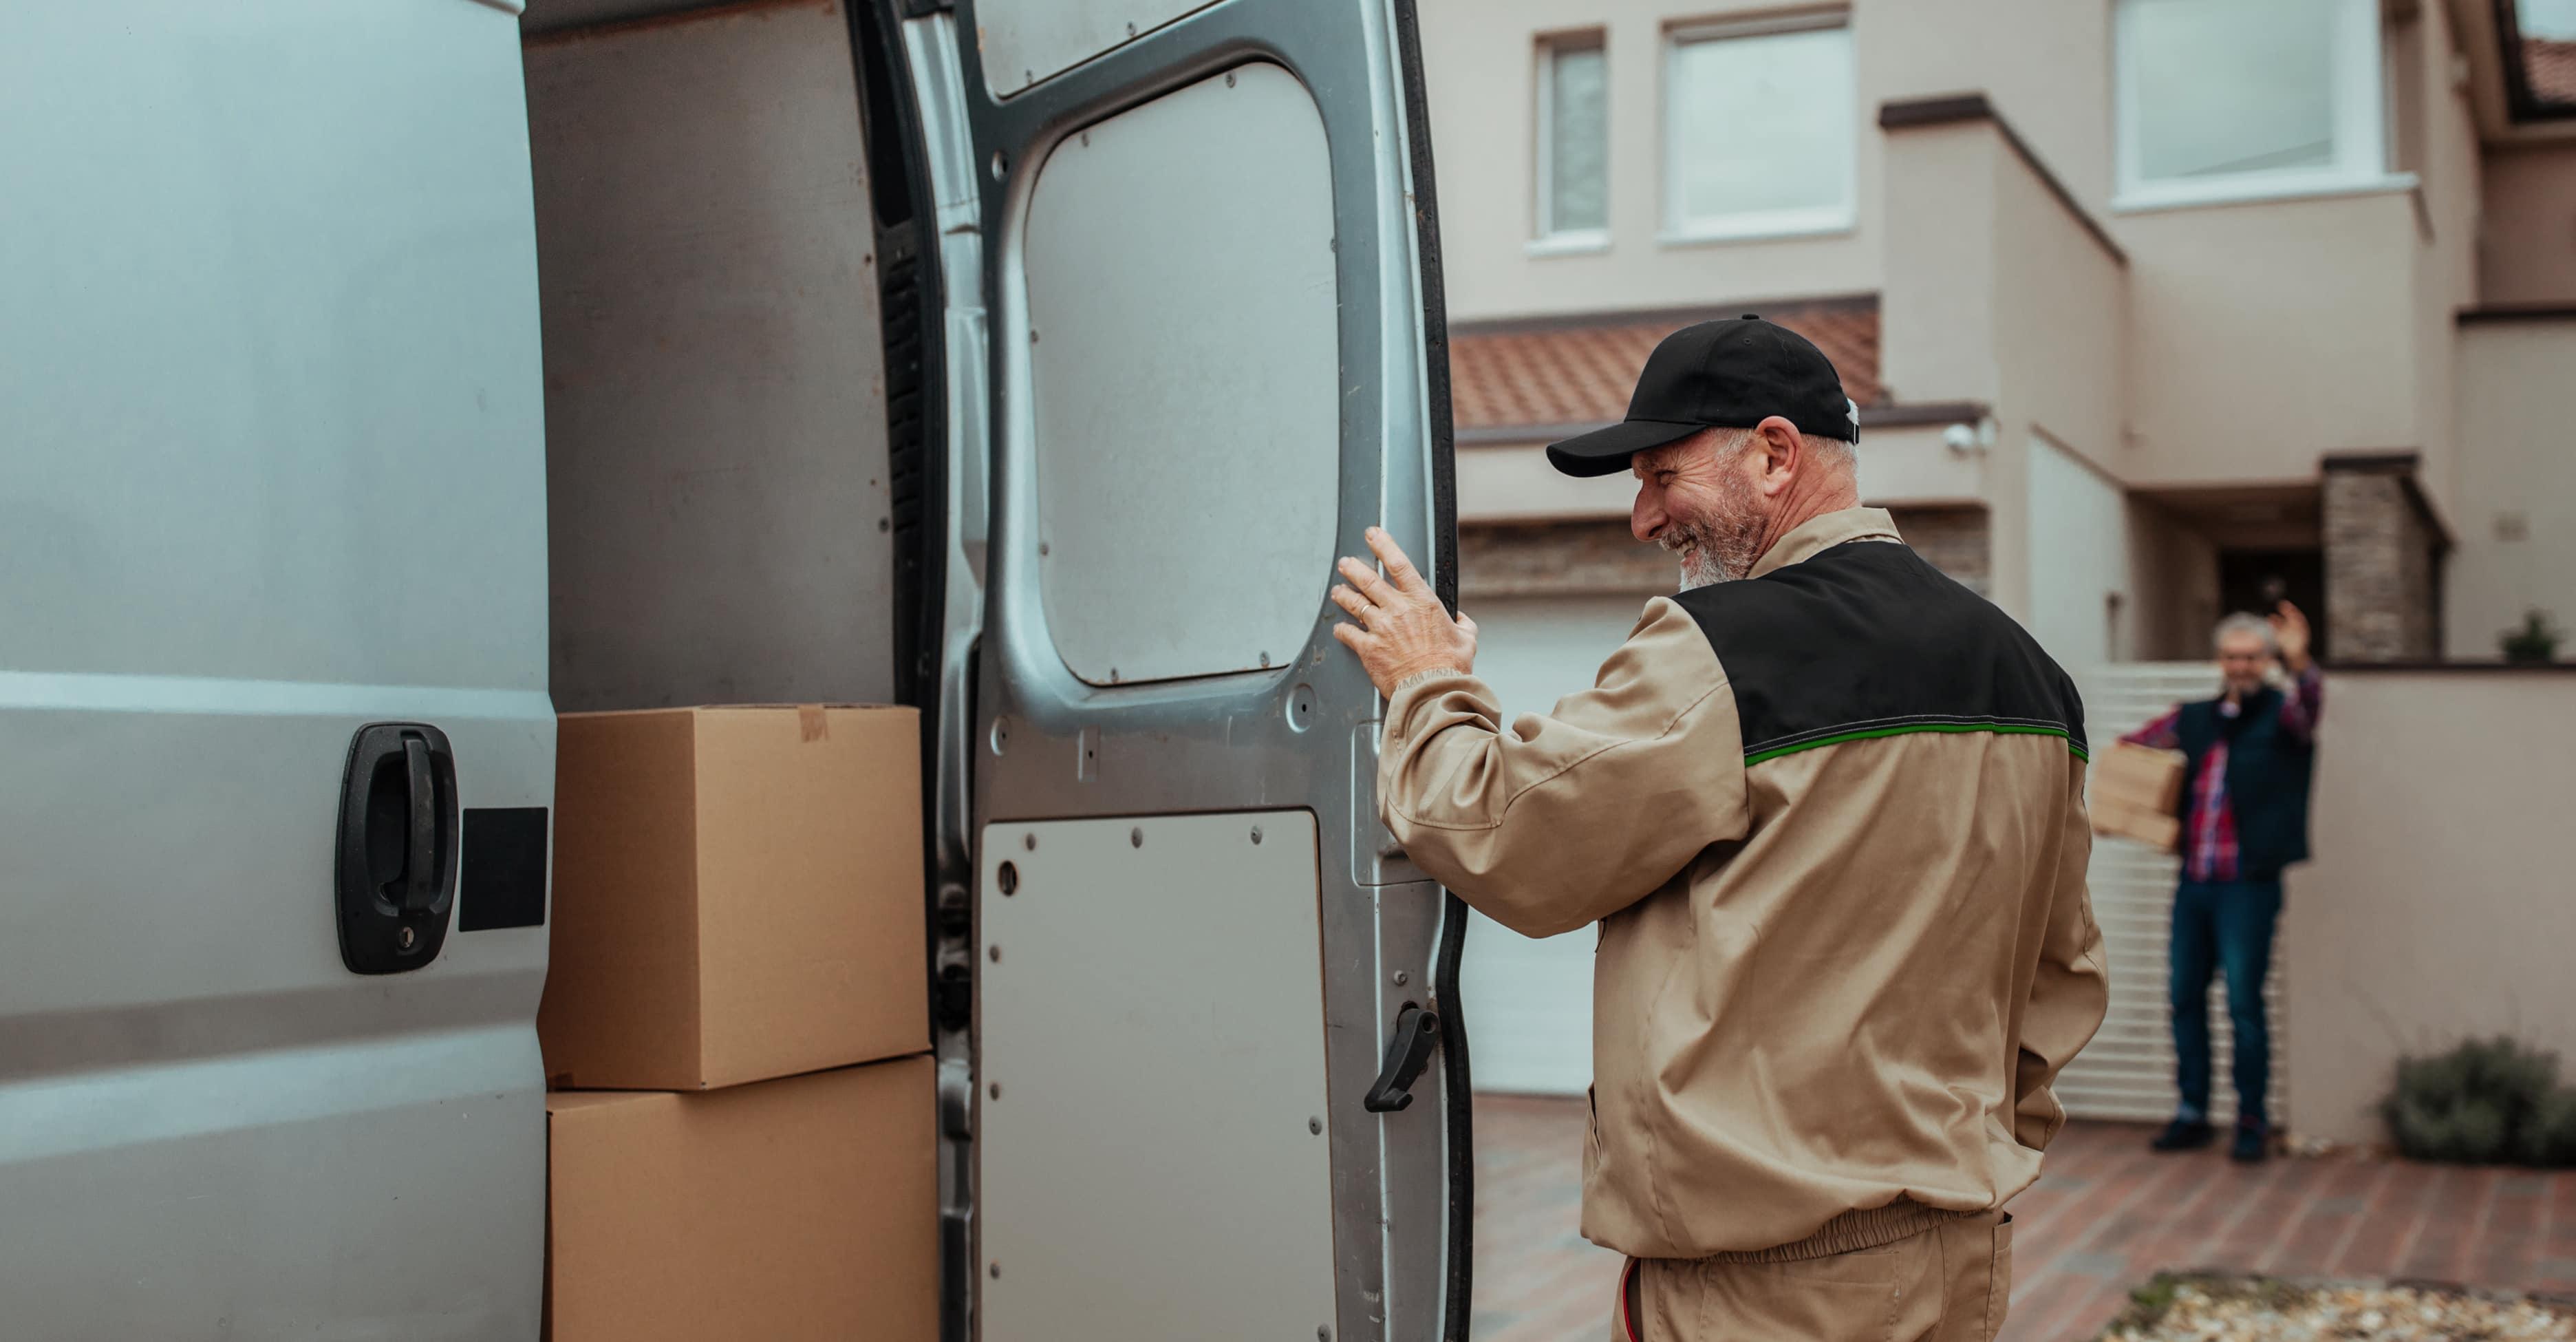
2256, 580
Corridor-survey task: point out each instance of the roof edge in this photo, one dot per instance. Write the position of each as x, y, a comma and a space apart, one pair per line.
2472, 665
2524, 103
2493, 313
2389, 462
1537, 323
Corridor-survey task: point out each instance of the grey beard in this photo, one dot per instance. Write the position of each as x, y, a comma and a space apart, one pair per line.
1709, 555
1700, 572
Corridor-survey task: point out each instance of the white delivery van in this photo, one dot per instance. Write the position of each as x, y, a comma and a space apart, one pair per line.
379, 378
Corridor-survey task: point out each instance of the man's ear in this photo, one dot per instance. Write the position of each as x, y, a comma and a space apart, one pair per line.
1783, 452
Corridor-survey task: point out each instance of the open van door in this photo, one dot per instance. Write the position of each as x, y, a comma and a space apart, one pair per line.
275, 745
1215, 1080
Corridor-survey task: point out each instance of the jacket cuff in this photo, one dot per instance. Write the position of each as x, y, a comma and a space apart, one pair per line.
1416, 689
1420, 676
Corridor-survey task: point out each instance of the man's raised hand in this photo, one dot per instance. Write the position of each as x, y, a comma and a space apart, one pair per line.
1403, 629
2290, 635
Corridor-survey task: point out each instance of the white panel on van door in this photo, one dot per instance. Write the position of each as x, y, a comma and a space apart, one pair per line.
1026, 42
1182, 308
271, 468
1154, 1160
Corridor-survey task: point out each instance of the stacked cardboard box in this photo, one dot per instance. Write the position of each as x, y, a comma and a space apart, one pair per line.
734, 1024
2132, 795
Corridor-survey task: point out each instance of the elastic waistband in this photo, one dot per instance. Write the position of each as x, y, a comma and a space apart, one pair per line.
1851, 1232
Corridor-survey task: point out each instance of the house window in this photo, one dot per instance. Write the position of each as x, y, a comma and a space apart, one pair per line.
1573, 144
2224, 99
1760, 131
2540, 59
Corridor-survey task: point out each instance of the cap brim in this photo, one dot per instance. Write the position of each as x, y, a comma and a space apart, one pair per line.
1606, 451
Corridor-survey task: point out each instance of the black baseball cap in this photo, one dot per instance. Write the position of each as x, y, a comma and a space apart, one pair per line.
1718, 375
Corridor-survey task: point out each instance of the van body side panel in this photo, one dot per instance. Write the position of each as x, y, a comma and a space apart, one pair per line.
271, 469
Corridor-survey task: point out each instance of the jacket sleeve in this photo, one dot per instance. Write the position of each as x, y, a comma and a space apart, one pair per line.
1569, 817
2161, 734
2071, 992
2304, 704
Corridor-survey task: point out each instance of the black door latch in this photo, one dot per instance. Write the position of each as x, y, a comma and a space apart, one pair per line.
1417, 1032
396, 874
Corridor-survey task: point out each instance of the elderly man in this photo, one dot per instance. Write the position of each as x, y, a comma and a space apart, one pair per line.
2248, 755
1827, 808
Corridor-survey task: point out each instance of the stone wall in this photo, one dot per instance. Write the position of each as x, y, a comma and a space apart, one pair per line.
2383, 553
1558, 559
1574, 558
1954, 539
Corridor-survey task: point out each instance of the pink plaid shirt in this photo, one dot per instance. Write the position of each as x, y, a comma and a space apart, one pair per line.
2209, 832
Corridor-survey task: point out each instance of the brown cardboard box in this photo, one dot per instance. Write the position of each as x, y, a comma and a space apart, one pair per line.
738, 896
803, 1208
2132, 795
2142, 776
2160, 832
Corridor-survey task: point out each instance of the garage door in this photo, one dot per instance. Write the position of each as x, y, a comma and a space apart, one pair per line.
2127, 1072
1530, 1002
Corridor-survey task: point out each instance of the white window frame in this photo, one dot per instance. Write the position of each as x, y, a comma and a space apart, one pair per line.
2361, 137
1748, 225
1546, 238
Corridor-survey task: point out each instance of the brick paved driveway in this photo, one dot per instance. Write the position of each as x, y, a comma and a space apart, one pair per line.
2105, 1216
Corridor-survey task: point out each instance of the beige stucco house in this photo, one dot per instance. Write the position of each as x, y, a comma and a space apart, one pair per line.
2149, 305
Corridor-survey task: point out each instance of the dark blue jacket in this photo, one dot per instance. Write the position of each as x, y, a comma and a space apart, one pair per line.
2268, 773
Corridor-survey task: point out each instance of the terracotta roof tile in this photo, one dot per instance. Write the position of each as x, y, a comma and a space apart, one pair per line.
2549, 66
1580, 370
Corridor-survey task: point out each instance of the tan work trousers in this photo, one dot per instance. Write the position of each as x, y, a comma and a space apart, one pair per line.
1946, 1284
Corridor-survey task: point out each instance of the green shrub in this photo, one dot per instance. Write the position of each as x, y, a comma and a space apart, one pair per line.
2549, 1137
2533, 641
2485, 1102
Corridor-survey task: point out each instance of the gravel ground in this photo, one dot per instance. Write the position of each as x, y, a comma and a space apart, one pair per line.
2254, 1309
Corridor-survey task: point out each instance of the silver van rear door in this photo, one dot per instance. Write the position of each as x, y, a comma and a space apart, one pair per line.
271, 471
1192, 272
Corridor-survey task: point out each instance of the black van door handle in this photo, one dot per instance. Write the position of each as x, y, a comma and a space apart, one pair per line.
420, 853
395, 874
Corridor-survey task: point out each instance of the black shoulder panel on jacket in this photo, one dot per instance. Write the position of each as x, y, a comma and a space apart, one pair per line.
1867, 639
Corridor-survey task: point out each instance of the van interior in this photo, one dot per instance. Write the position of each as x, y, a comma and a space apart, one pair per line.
726, 496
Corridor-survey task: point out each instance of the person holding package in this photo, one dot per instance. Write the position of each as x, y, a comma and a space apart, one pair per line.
2248, 756
1827, 808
